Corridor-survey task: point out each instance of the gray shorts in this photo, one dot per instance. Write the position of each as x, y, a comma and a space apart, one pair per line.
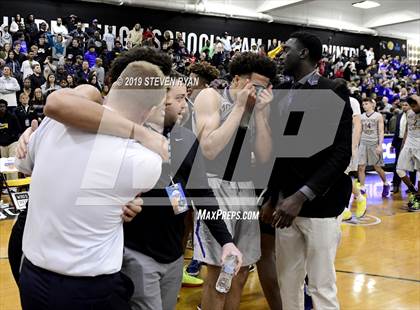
368, 156
231, 196
156, 285
409, 159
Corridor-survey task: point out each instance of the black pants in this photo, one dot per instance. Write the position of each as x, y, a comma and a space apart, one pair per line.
15, 245
396, 180
41, 289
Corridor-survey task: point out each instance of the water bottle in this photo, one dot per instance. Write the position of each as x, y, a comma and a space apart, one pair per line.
226, 274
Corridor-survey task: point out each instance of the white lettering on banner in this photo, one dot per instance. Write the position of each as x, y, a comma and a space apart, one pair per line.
245, 46
258, 42
192, 37
193, 41
157, 33
202, 41
337, 50
123, 34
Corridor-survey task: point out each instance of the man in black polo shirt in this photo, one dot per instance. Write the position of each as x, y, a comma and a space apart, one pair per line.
153, 256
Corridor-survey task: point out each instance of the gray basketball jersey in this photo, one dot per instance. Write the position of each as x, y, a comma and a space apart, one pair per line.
413, 133
236, 154
370, 128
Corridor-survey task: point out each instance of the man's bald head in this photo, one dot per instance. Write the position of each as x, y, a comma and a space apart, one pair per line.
89, 92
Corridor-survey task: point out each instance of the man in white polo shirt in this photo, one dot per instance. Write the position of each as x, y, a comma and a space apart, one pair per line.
73, 238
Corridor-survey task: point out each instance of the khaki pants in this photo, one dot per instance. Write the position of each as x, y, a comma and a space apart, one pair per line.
308, 247
9, 151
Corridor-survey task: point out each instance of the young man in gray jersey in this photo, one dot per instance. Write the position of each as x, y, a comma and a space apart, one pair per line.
223, 122
409, 159
370, 148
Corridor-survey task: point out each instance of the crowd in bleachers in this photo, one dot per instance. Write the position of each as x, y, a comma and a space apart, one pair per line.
36, 60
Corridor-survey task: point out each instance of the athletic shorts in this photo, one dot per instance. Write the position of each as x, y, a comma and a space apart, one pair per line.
409, 159
368, 156
231, 196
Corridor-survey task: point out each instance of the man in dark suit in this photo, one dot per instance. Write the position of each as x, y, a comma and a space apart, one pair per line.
308, 192
397, 143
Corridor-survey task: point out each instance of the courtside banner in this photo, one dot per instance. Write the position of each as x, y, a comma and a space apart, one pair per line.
195, 29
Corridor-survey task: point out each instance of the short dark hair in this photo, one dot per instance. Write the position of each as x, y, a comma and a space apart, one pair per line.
247, 63
411, 101
153, 56
205, 71
311, 42
2, 101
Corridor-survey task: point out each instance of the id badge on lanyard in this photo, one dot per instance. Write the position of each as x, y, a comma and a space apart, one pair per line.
177, 198
175, 191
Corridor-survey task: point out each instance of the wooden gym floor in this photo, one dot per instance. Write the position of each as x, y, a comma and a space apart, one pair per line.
378, 264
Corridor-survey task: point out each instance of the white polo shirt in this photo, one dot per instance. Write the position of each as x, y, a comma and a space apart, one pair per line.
80, 182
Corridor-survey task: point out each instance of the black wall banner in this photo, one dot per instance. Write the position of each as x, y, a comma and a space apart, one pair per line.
195, 29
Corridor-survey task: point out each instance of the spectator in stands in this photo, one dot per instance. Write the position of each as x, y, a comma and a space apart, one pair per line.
37, 79
68, 65
91, 55
227, 47
166, 42
4, 52
50, 85
370, 55
6, 37
362, 57
83, 74
118, 48
9, 131
26, 68
70, 81
49, 67
237, 45
20, 57
135, 36
148, 34
16, 22
38, 102
71, 23
8, 88
34, 49
254, 48
79, 34
25, 113
78, 64
14, 65
97, 42
59, 28
100, 71
93, 80
109, 39
27, 88
273, 45
24, 42
43, 30
93, 27
74, 49
219, 56
63, 84
31, 28
58, 46
61, 73
43, 50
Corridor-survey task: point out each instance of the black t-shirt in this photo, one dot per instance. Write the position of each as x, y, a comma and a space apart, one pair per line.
156, 231
9, 129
